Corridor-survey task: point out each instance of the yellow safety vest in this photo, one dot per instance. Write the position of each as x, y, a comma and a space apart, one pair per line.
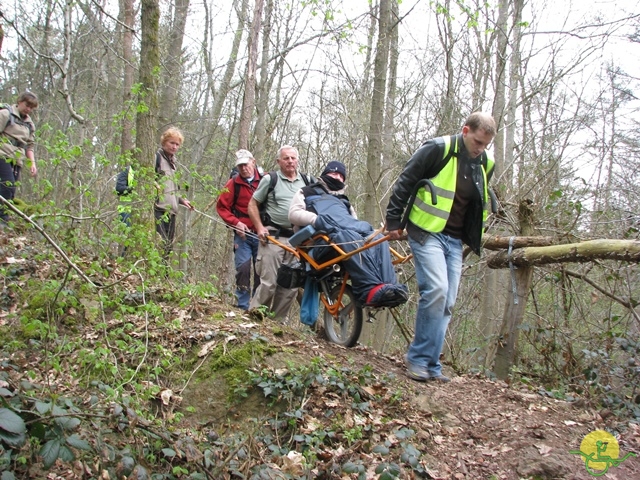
124, 206
433, 218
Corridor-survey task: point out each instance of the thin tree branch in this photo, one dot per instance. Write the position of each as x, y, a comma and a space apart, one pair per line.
61, 68
22, 215
625, 303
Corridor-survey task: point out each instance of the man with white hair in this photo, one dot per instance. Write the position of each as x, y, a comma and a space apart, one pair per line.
232, 207
275, 222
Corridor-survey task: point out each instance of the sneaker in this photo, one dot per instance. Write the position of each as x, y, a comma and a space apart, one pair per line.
439, 378
416, 372
421, 374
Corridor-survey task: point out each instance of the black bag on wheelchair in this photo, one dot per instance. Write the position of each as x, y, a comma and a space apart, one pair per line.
291, 276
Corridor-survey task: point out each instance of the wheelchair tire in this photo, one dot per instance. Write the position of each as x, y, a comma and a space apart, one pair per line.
345, 329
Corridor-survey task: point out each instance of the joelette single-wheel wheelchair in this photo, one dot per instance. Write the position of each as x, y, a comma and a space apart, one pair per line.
342, 315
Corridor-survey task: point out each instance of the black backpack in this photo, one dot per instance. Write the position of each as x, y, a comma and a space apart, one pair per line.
273, 179
122, 182
122, 179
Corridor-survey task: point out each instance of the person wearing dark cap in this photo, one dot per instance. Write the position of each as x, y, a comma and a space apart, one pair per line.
331, 181
325, 206
232, 207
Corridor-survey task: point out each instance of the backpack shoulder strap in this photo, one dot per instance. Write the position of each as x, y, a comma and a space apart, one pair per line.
10, 119
236, 192
158, 160
308, 179
450, 148
273, 177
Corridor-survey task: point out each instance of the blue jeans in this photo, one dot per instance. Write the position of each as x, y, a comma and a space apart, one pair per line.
245, 254
438, 265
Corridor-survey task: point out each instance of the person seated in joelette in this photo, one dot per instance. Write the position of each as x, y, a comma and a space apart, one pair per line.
325, 206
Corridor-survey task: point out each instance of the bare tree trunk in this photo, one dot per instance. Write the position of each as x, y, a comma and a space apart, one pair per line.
220, 96
388, 144
495, 280
248, 102
371, 33
384, 320
127, 15
262, 104
516, 305
374, 148
507, 161
146, 120
499, 100
172, 64
447, 122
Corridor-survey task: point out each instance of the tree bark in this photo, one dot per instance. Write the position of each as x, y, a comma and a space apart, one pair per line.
146, 120
493, 242
376, 119
389, 147
249, 100
516, 304
603, 249
173, 64
127, 14
262, 103
447, 121
492, 304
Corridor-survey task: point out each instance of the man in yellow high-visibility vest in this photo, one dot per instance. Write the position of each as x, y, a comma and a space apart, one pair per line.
459, 169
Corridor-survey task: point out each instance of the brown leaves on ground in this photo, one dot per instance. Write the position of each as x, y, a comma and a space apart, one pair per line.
471, 428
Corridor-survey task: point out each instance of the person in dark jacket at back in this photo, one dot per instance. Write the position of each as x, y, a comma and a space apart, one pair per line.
325, 206
232, 208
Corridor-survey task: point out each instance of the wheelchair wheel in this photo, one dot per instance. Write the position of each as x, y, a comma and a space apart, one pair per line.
346, 327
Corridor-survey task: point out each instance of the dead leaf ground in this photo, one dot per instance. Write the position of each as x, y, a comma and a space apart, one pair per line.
471, 428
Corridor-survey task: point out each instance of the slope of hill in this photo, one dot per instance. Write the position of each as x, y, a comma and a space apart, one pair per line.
164, 381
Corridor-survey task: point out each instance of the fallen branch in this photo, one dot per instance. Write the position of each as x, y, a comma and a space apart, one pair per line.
626, 250
625, 303
26, 218
493, 242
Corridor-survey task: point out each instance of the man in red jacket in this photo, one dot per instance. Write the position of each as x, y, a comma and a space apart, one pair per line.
232, 208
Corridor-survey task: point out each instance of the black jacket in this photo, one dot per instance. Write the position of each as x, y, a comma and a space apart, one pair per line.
427, 162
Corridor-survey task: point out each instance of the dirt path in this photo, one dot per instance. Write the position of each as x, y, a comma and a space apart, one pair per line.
480, 429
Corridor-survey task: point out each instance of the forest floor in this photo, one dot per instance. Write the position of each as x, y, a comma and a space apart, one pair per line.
470, 428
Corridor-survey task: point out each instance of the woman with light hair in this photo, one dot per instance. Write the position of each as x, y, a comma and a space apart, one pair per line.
169, 199
17, 142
